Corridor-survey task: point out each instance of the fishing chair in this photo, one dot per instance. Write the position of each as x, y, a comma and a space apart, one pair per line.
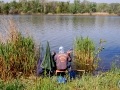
61, 71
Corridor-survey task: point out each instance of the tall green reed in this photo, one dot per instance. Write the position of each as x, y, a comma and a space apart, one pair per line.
85, 54
18, 54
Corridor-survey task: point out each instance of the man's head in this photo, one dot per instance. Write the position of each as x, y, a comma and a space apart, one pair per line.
61, 49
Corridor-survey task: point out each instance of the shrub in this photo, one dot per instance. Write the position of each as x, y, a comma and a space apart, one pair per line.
17, 54
85, 53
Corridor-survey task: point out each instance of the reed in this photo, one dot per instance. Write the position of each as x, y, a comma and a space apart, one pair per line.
85, 54
17, 53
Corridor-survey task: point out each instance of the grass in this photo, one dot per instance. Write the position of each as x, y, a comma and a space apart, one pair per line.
105, 81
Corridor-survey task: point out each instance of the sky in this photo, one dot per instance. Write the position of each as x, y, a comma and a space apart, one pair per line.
97, 1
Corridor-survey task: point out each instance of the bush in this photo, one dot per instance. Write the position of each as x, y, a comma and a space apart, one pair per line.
17, 54
85, 53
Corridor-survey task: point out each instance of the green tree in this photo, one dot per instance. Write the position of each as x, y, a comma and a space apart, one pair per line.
76, 6
84, 6
103, 7
114, 7
62, 7
92, 6
6, 8
2, 6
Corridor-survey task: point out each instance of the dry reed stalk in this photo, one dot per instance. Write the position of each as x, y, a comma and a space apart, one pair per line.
13, 32
17, 53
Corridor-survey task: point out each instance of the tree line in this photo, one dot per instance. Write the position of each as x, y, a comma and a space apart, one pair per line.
56, 7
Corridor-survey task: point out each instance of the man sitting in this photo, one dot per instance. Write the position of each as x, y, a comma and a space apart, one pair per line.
62, 59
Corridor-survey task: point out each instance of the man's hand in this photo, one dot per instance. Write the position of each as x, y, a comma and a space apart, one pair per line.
68, 52
53, 53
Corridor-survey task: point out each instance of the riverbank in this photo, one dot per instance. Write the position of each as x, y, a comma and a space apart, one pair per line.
87, 14
77, 14
106, 81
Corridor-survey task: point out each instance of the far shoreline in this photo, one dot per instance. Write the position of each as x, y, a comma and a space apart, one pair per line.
70, 14
86, 14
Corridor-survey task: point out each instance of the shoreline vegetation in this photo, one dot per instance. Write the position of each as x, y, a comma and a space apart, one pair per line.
18, 53
46, 7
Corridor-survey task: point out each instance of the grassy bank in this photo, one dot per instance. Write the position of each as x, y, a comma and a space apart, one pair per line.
105, 81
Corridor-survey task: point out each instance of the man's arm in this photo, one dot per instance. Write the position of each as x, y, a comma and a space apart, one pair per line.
69, 57
55, 57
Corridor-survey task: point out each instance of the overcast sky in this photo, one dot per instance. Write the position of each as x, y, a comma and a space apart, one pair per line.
97, 1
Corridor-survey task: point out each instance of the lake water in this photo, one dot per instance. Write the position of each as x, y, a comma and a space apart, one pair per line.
62, 31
